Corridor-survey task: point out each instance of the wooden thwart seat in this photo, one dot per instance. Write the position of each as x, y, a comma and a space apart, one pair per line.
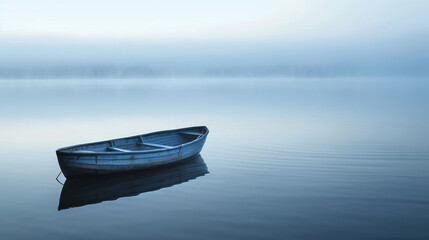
117, 149
191, 133
83, 151
153, 145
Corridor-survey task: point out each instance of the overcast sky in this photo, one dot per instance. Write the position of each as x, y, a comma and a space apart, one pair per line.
208, 19
156, 32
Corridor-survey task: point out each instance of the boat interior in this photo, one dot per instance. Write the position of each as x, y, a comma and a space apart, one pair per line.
151, 141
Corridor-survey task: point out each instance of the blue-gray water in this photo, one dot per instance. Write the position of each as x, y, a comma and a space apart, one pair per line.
340, 158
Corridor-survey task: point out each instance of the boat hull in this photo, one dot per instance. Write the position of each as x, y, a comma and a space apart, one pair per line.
74, 164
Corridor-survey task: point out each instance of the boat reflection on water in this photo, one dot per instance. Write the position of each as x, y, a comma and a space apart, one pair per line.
84, 191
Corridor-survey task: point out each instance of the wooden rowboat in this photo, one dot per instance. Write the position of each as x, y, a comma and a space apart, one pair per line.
79, 192
132, 153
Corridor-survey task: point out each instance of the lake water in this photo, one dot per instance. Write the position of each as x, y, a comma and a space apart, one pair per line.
286, 158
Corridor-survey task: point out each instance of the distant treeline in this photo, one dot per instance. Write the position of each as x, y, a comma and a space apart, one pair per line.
111, 71
95, 71
106, 71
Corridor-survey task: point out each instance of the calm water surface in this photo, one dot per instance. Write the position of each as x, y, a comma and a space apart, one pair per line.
342, 158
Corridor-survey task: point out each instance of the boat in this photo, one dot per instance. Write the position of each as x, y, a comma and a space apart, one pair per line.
132, 153
78, 192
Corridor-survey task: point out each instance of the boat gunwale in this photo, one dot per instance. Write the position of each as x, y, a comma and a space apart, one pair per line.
61, 150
